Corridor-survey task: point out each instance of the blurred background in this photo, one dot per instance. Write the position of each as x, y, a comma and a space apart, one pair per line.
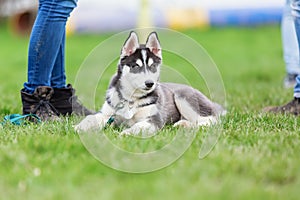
94, 16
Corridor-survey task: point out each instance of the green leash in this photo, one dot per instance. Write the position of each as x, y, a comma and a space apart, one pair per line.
119, 106
109, 122
17, 119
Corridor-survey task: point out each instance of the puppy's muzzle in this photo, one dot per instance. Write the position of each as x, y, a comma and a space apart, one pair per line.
149, 84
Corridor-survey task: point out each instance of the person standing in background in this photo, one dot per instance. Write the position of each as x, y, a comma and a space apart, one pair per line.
45, 93
293, 107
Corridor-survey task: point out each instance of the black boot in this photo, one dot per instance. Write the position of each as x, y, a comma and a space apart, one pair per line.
293, 107
66, 103
39, 103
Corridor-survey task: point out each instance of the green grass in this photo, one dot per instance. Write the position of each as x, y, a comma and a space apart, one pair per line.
256, 157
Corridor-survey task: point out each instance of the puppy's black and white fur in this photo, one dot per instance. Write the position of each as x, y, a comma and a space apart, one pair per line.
137, 100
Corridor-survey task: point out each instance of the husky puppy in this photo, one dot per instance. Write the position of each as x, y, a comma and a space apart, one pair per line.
137, 100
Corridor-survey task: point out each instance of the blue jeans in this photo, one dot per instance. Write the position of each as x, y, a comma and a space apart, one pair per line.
289, 40
296, 13
46, 60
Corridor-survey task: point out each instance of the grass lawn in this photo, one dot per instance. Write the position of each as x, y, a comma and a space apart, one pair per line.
256, 157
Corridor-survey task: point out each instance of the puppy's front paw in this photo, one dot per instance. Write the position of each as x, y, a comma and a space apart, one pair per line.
183, 123
130, 131
91, 122
143, 129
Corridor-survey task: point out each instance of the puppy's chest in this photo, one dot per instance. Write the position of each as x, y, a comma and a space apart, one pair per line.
131, 112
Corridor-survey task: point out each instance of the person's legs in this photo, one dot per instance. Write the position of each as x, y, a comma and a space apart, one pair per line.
296, 14
46, 48
45, 93
293, 107
58, 76
289, 41
290, 46
297, 88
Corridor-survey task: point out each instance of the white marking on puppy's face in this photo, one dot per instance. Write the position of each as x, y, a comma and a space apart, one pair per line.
144, 56
139, 62
126, 69
150, 62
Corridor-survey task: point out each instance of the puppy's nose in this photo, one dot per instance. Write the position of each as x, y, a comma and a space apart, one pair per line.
149, 83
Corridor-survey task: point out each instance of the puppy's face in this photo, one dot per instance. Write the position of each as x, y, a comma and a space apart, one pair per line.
140, 65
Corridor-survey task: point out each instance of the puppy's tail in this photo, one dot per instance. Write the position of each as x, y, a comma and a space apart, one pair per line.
219, 110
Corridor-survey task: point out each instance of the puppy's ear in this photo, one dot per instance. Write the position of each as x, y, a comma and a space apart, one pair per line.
131, 44
153, 44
